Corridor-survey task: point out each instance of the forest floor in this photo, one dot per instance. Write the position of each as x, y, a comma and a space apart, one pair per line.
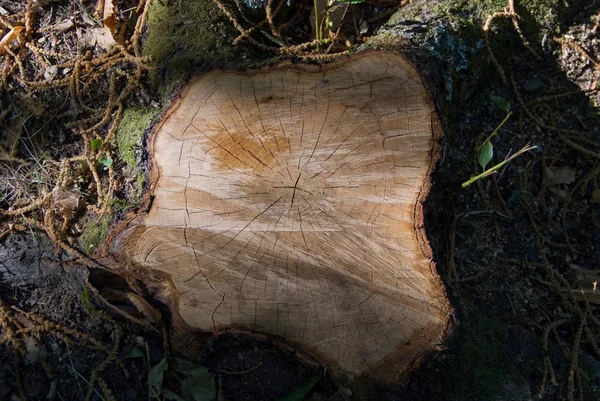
518, 250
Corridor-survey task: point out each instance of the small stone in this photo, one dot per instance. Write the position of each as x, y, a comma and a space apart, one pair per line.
533, 84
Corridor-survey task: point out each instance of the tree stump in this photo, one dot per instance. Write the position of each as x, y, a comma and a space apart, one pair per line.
289, 201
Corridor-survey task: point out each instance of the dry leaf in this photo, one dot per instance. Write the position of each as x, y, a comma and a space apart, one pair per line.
100, 8
9, 37
36, 8
42, 3
5, 112
64, 26
109, 17
88, 20
100, 37
106, 10
66, 203
559, 175
560, 192
50, 73
33, 351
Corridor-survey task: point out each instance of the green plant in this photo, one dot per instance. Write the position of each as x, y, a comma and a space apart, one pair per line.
85, 296
94, 231
96, 143
300, 392
485, 151
191, 381
320, 29
106, 161
323, 20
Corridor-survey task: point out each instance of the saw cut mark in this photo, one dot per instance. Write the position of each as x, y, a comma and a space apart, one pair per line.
288, 201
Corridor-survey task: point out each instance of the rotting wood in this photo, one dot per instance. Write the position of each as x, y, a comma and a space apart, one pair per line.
289, 201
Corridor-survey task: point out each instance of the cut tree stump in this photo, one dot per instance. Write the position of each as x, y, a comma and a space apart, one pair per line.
289, 201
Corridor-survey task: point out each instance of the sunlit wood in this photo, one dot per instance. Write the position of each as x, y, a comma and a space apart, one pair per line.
289, 201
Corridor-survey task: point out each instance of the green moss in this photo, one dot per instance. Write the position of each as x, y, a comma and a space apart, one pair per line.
85, 296
542, 12
140, 179
127, 138
130, 131
94, 232
121, 205
183, 35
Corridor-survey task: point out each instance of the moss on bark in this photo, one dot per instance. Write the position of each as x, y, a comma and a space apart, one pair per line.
95, 231
185, 35
130, 131
543, 12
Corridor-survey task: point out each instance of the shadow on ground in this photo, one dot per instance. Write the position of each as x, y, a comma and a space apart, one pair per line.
506, 243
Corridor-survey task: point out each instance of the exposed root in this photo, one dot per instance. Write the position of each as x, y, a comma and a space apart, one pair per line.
573, 362
308, 51
511, 14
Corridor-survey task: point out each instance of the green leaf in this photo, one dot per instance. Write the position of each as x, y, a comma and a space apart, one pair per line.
198, 384
171, 396
300, 392
96, 144
501, 103
106, 161
155, 378
132, 21
182, 365
486, 152
193, 391
135, 352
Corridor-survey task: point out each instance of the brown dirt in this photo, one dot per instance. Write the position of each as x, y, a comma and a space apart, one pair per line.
33, 279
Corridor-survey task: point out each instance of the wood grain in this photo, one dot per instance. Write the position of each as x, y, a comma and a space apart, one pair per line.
289, 201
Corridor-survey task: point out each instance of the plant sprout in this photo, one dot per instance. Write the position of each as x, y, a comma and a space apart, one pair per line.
485, 151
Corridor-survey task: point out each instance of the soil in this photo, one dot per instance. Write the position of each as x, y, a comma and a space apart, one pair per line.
509, 246
249, 369
61, 357
501, 242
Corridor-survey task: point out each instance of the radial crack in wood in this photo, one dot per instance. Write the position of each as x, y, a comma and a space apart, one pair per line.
289, 201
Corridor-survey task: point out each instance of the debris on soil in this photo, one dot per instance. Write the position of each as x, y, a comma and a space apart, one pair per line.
57, 341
